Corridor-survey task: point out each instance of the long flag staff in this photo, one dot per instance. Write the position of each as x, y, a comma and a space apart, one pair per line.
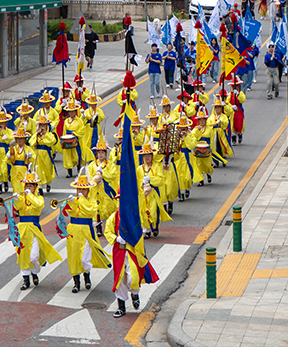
223, 31
178, 31
198, 26
81, 63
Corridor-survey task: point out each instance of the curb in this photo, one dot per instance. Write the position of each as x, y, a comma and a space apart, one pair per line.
175, 335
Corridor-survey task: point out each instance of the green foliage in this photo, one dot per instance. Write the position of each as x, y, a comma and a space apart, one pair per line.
179, 15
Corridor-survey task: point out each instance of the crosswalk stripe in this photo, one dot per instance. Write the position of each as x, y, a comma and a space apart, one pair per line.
163, 262
11, 292
64, 298
6, 250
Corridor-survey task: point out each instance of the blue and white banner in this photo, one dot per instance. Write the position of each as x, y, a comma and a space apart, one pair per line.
201, 14
208, 34
274, 33
173, 24
252, 29
214, 21
166, 33
281, 42
192, 35
153, 37
223, 6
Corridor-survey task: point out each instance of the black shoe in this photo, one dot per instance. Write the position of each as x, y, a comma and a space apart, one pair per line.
269, 97
99, 230
78, 168
48, 188
276, 94
26, 283
156, 232
76, 287
224, 165
240, 138
233, 140
135, 301
87, 280
69, 173
182, 198
200, 184
147, 236
121, 309
1, 191
187, 194
6, 187
215, 165
41, 191
54, 155
165, 207
170, 207
35, 279
209, 178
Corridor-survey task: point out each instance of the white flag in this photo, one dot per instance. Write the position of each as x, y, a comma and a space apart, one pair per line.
223, 7
81, 50
214, 21
153, 37
173, 24
192, 35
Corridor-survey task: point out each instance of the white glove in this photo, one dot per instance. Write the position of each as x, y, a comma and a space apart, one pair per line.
235, 91
52, 127
197, 103
235, 108
146, 179
120, 240
182, 103
71, 197
8, 155
4, 137
83, 116
80, 89
16, 196
99, 168
27, 191
28, 155
197, 92
79, 195
63, 105
124, 101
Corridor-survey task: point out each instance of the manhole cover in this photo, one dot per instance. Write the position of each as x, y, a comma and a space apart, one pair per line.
94, 305
228, 222
277, 252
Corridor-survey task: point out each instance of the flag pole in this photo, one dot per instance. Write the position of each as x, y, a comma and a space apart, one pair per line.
223, 30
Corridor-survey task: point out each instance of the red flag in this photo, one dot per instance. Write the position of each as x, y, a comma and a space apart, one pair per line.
61, 51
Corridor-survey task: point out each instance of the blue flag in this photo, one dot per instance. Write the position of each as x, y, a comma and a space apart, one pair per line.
166, 33
248, 14
281, 42
239, 41
274, 34
130, 224
252, 29
208, 33
201, 14
14, 234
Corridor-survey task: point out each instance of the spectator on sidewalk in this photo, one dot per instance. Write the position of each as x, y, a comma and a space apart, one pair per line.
154, 60
127, 21
215, 61
91, 40
169, 58
271, 71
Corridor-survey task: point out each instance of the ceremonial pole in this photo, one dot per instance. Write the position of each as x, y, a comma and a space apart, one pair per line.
223, 31
198, 26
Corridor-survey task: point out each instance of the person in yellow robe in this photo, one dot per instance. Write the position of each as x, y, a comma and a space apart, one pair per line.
75, 126
184, 107
104, 172
150, 178
48, 111
219, 122
42, 143
37, 250
122, 99
80, 93
19, 157
198, 99
60, 104
228, 110
25, 120
115, 157
84, 251
6, 136
138, 136
153, 128
92, 118
187, 168
166, 104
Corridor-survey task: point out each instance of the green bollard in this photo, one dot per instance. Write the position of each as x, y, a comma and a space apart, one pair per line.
211, 273
237, 229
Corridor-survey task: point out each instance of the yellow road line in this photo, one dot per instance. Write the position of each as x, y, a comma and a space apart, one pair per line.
242, 275
270, 273
140, 327
210, 227
50, 217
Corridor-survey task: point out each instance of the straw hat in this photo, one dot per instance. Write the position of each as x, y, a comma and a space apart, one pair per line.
82, 182
233, 82
21, 133
4, 117
184, 122
166, 101
136, 120
43, 120
30, 177
201, 113
147, 149
101, 146
153, 113
71, 106
25, 108
119, 134
93, 99
218, 101
46, 97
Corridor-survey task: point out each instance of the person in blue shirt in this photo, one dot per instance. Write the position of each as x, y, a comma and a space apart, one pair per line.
250, 67
272, 72
154, 60
169, 58
191, 51
242, 73
215, 61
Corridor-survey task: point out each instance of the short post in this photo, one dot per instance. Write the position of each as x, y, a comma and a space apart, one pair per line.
211, 273
237, 229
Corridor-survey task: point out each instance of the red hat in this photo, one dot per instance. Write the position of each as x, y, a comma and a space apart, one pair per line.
235, 5
67, 86
221, 92
179, 97
199, 82
77, 78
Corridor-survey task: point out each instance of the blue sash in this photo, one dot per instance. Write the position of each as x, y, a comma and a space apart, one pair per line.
78, 148
118, 162
4, 145
84, 221
207, 139
48, 149
31, 219
156, 139
109, 190
138, 148
186, 152
94, 138
174, 166
20, 163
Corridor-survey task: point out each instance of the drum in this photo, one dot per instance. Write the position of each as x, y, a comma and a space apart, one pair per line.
202, 150
68, 141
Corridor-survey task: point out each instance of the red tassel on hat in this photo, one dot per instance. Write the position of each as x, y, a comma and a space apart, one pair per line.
129, 80
198, 25
82, 21
62, 26
179, 27
223, 30
234, 18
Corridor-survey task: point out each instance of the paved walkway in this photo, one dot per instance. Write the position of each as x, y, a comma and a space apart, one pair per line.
251, 308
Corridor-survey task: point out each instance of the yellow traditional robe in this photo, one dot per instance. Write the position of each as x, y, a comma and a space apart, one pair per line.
4, 147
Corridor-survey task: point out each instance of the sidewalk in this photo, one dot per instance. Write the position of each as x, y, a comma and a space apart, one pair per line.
251, 308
